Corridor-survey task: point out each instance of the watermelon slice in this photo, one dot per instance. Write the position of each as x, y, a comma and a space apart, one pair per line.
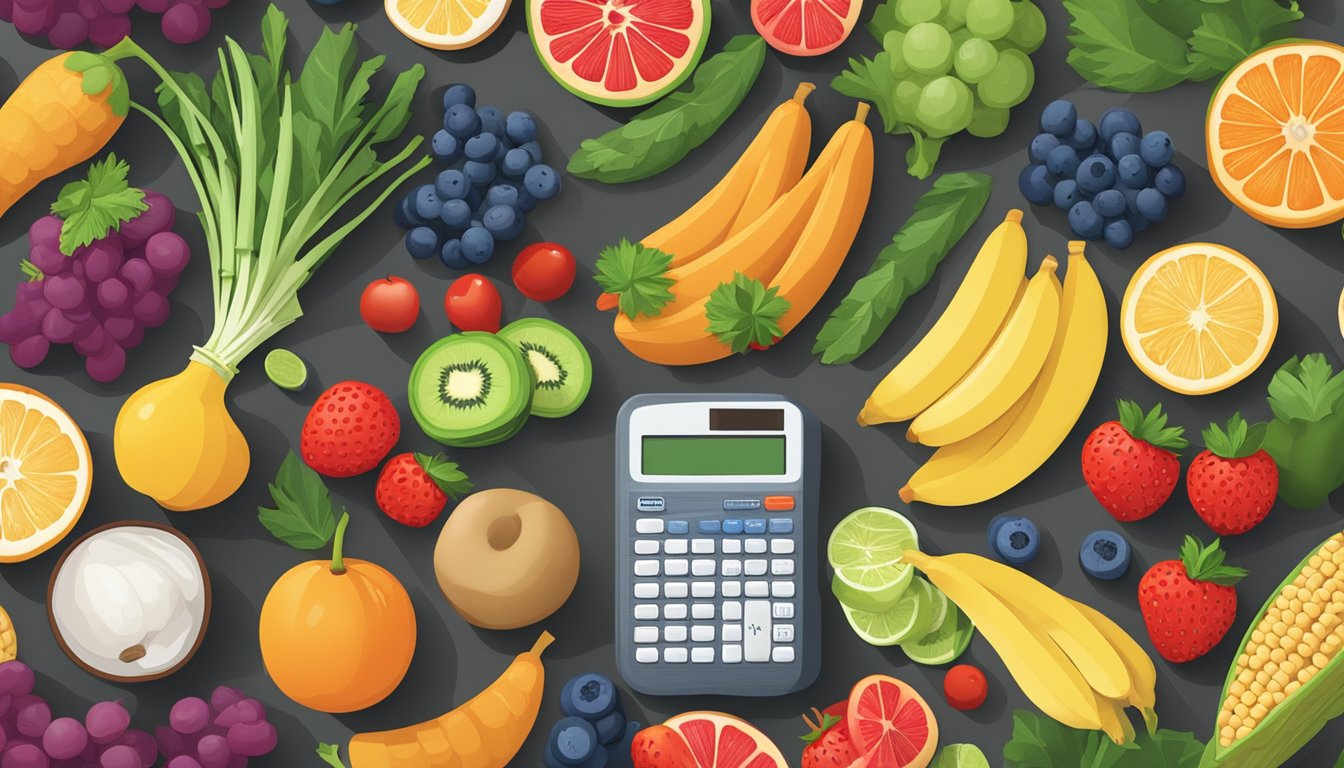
621, 53
805, 27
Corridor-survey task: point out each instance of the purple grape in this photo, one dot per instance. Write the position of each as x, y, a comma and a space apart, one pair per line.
134, 338
102, 259
112, 293
137, 274
25, 756
28, 290
31, 21
107, 365
224, 697
151, 310
31, 716
185, 23
106, 33
45, 232
30, 352
6, 14
64, 738
183, 761
170, 742
252, 739
15, 327
213, 752
70, 30
191, 714
120, 328
92, 342
48, 259
214, 4
59, 328
142, 743
106, 721
4, 737
238, 761
63, 291
159, 217
164, 286
154, 6
5, 701
118, 7
120, 756
167, 253
245, 711
89, 9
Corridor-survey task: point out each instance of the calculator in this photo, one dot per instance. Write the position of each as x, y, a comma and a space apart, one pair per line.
716, 538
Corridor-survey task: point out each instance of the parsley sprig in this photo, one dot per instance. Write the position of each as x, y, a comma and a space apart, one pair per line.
97, 204
745, 314
638, 274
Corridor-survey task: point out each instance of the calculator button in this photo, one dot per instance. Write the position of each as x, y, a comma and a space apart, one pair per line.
732, 546
781, 567
783, 610
702, 611
674, 612
732, 611
781, 546
741, 504
754, 567
782, 589
781, 525
755, 546
648, 525
646, 567
732, 654
702, 567
754, 527
779, 503
756, 631
709, 526
757, 589
676, 567
646, 612
783, 633
732, 633
731, 568
675, 546
646, 655
702, 655
732, 527
646, 547
675, 590
650, 504
678, 527
731, 589
782, 655
646, 591
702, 546
646, 635
674, 634
677, 655
702, 589
702, 634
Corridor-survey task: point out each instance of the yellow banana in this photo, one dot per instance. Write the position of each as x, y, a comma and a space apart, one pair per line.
1041, 669
962, 333
1142, 674
1047, 610
1008, 369
1114, 722
1052, 407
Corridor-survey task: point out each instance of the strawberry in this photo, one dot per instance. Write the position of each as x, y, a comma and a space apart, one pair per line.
350, 428
1132, 465
1233, 484
661, 747
1189, 604
828, 745
413, 488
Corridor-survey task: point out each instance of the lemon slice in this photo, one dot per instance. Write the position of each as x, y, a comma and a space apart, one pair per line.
45, 473
1198, 318
446, 25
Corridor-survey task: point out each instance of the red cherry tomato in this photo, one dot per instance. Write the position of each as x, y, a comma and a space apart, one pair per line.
544, 271
965, 687
473, 304
389, 305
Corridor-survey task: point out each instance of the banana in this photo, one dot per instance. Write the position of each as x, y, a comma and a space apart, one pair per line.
962, 333
1052, 613
1052, 405
1142, 674
1041, 669
785, 161
1004, 374
1114, 722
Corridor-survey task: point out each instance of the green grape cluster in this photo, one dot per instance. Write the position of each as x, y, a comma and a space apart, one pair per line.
947, 66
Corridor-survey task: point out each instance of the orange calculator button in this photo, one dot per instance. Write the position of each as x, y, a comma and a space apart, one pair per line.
779, 503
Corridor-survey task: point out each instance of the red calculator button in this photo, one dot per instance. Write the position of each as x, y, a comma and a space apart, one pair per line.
779, 503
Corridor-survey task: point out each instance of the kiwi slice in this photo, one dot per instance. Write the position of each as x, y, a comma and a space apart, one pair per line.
561, 365
471, 389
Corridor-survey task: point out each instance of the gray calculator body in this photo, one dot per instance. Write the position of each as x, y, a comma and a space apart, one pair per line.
716, 540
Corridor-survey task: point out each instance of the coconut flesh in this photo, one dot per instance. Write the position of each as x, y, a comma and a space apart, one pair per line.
130, 602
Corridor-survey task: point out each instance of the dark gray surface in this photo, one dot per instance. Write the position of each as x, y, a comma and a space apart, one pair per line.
569, 461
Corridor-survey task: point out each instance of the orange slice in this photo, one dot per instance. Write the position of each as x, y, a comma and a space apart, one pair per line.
717, 740
45, 473
1275, 135
446, 25
1198, 318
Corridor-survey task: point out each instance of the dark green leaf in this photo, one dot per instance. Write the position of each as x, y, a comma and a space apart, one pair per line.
744, 312
1235, 441
274, 27
638, 275
445, 474
1306, 390
1206, 563
320, 89
1150, 427
302, 516
1040, 742
98, 204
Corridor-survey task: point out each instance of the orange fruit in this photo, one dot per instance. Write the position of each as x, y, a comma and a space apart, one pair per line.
446, 25
45, 473
805, 27
723, 741
1198, 318
891, 724
1275, 134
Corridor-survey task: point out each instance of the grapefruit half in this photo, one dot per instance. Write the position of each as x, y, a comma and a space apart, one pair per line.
723, 741
621, 53
891, 724
805, 27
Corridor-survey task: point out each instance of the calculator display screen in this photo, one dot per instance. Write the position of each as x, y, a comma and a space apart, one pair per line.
718, 455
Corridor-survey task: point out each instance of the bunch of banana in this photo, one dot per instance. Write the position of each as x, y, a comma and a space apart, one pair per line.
1004, 374
1075, 664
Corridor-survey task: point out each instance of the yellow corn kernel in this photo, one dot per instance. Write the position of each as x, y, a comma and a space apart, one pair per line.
1315, 561
1302, 620
1331, 545
1235, 690
1294, 633
1280, 629
1257, 636
1312, 609
1294, 605
1235, 720
1314, 581
1320, 660
1259, 711
1240, 710
1281, 602
1292, 686
1310, 644
1249, 697
1303, 594
1278, 655
1279, 696
1275, 685
1333, 642
1243, 731
1327, 568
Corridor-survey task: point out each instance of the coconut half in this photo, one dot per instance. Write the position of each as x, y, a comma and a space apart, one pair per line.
130, 601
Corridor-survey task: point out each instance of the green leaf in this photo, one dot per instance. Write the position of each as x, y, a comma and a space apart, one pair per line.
274, 28
1041, 742
659, 137
97, 204
922, 156
302, 516
331, 755
1236, 441
1150, 427
744, 312
1206, 563
320, 89
1228, 35
97, 73
1306, 390
638, 275
940, 219
445, 474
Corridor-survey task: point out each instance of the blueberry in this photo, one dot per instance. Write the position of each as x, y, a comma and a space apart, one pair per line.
1067, 194
492, 121
502, 194
994, 525
1169, 181
461, 121
1118, 233
526, 202
1104, 555
1122, 144
1017, 541
520, 127
422, 242
404, 215
451, 255
1109, 203
459, 93
1041, 146
427, 202
502, 148
1034, 184
1062, 162
1152, 205
478, 173
573, 740
455, 213
542, 182
1060, 118
1084, 136
533, 149
482, 148
1095, 174
591, 696
1085, 221
477, 244
474, 198
515, 164
503, 222
1136, 222
451, 184
1156, 149
1116, 121
622, 752
611, 728
1132, 172
445, 147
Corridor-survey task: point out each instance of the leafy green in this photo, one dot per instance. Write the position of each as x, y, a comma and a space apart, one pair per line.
659, 137
637, 274
330, 754
1235, 441
302, 516
1147, 45
940, 219
1306, 437
97, 204
1040, 742
445, 474
1150, 427
744, 313
1206, 563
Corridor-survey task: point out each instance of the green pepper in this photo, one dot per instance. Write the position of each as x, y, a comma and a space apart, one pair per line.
1306, 437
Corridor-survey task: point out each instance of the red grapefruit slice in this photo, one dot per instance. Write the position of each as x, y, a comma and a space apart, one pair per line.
723, 741
621, 53
805, 27
891, 724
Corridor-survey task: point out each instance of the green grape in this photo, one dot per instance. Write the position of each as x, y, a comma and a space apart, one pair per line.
893, 44
975, 59
990, 19
1028, 30
912, 12
987, 122
906, 96
960, 37
1011, 81
945, 106
928, 49
955, 18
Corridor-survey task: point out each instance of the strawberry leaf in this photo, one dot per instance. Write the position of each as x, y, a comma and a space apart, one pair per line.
827, 722
445, 474
1206, 563
637, 274
1236, 441
303, 516
94, 206
1150, 427
744, 311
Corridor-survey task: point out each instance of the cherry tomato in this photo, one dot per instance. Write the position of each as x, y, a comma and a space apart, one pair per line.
389, 305
473, 304
965, 687
544, 271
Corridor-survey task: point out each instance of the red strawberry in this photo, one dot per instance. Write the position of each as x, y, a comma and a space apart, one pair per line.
828, 745
661, 747
350, 428
1132, 465
413, 488
1232, 485
1189, 604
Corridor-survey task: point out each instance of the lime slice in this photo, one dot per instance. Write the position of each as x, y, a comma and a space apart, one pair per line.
286, 370
944, 644
939, 609
865, 551
910, 618
960, 756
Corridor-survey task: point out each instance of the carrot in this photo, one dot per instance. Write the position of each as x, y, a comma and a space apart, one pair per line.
60, 115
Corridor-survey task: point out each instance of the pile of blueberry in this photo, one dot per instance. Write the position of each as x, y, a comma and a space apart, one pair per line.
467, 210
1112, 178
594, 731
